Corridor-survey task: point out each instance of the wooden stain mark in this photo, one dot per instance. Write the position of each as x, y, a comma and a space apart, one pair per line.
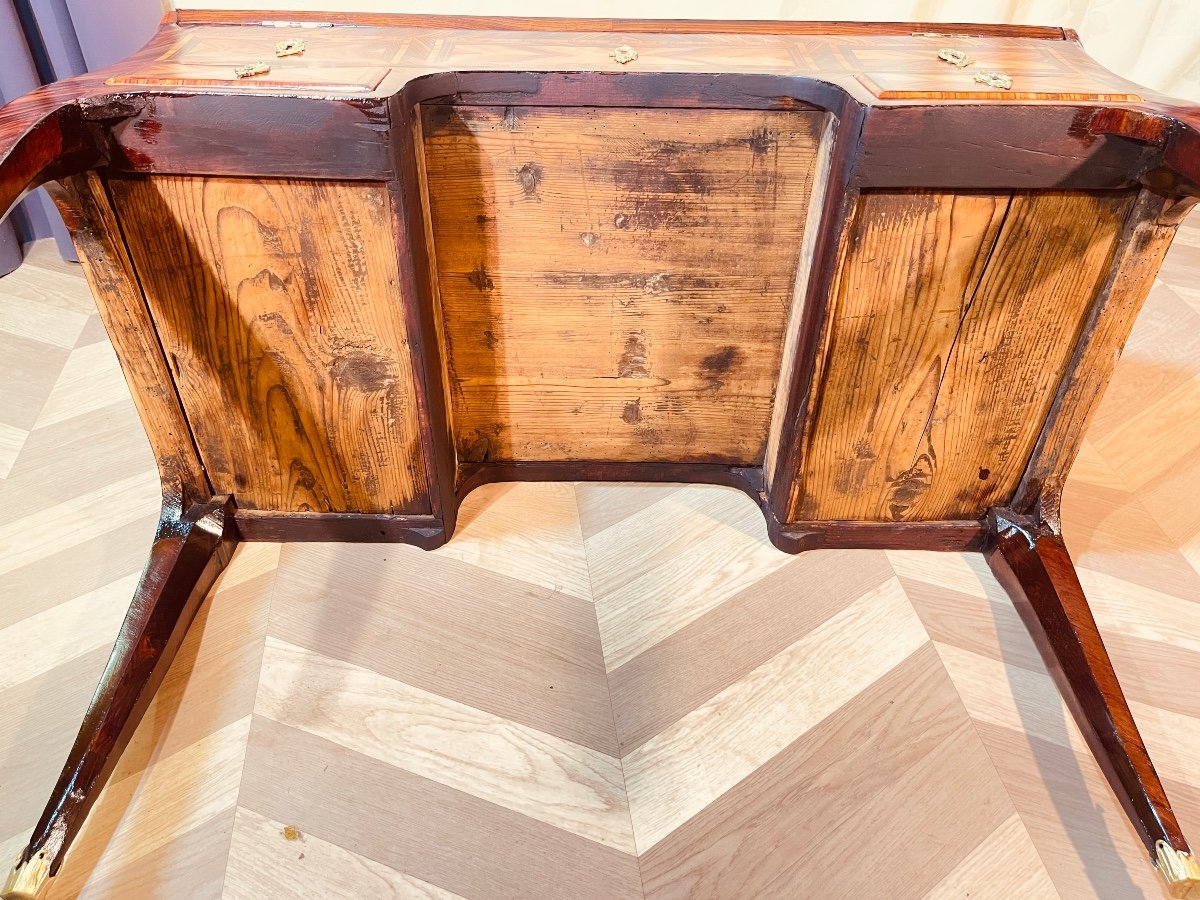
530, 177
633, 360
480, 278
632, 414
911, 484
762, 141
477, 445
148, 130
364, 371
716, 365
658, 284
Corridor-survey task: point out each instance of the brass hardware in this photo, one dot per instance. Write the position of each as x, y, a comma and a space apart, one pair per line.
995, 79
955, 57
27, 879
290, 47
258, 68
1178, 869
624, 54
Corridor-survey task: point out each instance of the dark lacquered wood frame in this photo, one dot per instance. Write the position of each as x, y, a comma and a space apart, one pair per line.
84, 124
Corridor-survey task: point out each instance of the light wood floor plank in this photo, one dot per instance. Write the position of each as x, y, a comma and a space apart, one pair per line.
33, 318
90, 380
877, 780
704, 657
1082, 837
71, 523
59, 577
137, 816
12, 440
39, 643
31, 369
1004, 866
603, 504
60, 462
679, 559
190, 865
684, 768
528, 531
417, 826
489, 641
489, 757
271, 859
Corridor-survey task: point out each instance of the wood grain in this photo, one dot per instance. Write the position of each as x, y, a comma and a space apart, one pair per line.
84, 205
688, 765
573, 788
1136, 263
442, 836
954, 317
331, 79
615, 283
278, 307
886, 772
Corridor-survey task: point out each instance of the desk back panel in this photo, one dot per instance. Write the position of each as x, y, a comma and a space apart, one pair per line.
952, 322
615, 284
278, 306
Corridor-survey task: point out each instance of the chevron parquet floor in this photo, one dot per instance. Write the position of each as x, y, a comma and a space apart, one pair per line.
593, 690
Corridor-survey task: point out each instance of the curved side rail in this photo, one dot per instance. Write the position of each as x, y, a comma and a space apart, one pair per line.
42, 139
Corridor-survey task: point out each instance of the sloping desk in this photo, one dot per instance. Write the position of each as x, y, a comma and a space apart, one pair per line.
876, 276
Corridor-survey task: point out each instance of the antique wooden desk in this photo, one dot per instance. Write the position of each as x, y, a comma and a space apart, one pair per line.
394, 258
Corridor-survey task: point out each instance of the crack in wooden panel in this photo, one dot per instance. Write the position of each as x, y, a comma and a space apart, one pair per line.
84, 204
955, 317
278, 304
615, 283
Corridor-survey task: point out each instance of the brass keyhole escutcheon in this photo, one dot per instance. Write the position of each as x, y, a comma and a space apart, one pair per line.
995, 79
258, 68
957, 58
624, 54
290, 47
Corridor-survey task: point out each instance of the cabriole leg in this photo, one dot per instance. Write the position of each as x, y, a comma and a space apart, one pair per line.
1033, 565
190, 549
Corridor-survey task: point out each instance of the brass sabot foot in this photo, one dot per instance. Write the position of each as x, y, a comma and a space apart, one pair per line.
1179, 870
27, 880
